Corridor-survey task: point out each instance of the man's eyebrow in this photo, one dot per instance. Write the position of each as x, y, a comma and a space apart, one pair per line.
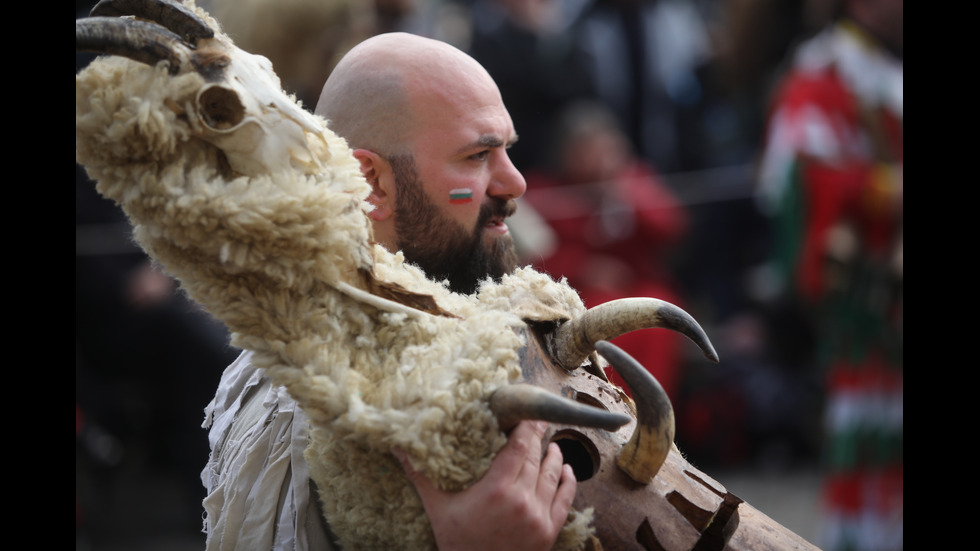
488, 140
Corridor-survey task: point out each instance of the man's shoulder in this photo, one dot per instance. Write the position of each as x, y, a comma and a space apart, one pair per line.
244, 392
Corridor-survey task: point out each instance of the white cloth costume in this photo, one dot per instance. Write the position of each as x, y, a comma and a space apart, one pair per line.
259, 491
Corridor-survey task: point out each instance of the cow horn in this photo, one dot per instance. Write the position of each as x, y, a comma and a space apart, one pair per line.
575, 339
643, 455
514, 403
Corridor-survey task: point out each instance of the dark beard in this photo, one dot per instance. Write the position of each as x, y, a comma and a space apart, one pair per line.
439, 245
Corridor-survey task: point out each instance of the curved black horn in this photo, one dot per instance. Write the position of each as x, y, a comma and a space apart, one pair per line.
138, 40
575, 339
514, 403
647, 449
174, 16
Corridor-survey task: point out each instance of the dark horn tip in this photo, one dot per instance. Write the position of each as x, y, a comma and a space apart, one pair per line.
686, 324
709, 352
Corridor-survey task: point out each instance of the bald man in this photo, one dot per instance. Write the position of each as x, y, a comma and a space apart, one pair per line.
428, 126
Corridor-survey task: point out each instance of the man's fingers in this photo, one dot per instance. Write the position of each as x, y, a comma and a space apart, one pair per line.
520, 459
564, 496
522, 491
556, 485
402, 458
551, 471
423, 485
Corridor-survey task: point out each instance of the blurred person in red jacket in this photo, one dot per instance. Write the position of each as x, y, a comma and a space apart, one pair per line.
615, 222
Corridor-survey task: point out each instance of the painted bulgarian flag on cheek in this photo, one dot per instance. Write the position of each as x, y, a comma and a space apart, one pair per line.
460, 196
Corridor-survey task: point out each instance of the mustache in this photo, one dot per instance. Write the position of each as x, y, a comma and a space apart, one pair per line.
496, 208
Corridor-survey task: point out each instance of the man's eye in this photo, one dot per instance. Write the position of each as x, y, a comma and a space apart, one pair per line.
481, 156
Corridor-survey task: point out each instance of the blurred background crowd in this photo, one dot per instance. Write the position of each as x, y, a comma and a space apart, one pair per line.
742, 159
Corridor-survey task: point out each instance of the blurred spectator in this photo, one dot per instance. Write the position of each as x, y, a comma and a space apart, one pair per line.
446, 20
643, 59
832, 178
615, 224
528, 49
750, 40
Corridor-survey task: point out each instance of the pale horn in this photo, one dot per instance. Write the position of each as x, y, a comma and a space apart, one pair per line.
653, 437
575, 339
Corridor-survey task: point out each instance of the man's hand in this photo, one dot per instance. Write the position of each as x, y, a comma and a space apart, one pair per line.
521, 502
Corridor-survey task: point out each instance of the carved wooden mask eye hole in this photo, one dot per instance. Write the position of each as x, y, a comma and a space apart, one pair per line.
579, 452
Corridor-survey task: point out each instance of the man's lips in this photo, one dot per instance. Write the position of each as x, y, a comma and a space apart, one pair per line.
495, 222
496, 225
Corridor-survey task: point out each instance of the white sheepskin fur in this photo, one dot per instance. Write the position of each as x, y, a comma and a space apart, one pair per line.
282, 253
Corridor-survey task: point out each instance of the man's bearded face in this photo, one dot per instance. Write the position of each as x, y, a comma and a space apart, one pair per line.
442, 247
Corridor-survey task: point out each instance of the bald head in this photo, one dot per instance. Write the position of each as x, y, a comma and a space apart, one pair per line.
427, 124
380, 90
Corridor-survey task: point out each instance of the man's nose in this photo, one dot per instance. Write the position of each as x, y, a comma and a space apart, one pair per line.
508, 182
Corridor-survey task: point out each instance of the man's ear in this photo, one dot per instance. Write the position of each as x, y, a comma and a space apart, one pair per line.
377, 171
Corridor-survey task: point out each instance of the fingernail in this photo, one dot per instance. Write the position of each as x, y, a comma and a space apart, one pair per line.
399, 455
